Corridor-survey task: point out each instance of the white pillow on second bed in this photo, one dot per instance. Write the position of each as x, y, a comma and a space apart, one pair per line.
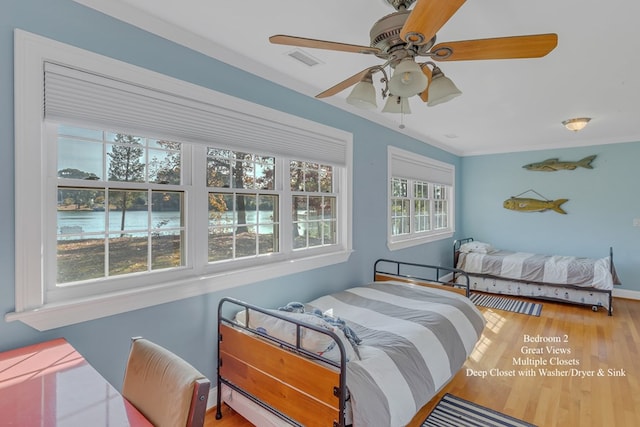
477, 247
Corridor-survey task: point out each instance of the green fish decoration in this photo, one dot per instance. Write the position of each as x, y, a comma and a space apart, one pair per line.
523, 204
552, 165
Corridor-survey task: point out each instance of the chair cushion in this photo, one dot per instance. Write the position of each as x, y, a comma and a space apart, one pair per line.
159, 384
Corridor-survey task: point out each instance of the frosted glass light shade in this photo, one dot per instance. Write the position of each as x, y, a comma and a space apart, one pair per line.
363, 95
408, 79
576, 124
441, 90
397, 105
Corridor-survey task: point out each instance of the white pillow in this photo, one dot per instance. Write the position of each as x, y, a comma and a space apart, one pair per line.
478, 247
313, 341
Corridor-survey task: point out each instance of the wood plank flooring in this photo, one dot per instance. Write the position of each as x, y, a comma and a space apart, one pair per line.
599, 354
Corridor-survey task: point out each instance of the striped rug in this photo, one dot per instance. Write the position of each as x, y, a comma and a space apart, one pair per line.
452, 411
507, 304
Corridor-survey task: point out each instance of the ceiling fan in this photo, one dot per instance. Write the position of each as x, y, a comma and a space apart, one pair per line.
400, 37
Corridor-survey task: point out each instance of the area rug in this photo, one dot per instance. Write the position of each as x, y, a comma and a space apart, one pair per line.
508, 304
452, 411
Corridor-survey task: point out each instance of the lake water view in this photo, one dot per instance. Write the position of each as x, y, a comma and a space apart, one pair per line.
85, 221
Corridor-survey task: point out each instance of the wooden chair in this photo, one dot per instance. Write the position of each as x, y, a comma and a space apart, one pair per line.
167, 390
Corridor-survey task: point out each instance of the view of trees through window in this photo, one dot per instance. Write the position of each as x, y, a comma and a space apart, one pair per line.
418, 206
243, 206
121, 204
114, 216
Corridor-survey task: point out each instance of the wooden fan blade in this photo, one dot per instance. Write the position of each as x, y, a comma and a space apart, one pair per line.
345, 83
533, 46
322, 44
424, 95
426, 18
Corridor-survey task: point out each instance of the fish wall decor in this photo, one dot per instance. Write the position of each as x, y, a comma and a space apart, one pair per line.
553, 165
523, 204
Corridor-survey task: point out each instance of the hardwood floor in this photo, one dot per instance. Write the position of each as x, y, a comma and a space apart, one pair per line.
599, 355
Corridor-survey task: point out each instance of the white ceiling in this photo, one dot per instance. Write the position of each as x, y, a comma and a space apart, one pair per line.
506, 105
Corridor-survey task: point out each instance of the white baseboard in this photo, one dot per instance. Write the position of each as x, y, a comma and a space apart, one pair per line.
626, 293
213, 397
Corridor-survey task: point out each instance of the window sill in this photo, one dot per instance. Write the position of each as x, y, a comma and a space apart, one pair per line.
415, 241
50, 316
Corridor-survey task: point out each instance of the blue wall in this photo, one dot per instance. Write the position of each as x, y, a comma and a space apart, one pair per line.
188, 326
603, 203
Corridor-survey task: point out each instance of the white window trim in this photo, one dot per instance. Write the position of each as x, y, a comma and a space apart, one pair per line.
434, 172
31, 52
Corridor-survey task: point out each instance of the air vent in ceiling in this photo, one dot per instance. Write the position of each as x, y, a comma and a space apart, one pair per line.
304, 57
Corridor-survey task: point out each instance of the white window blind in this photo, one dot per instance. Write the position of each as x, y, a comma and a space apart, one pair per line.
404, 164
76, 96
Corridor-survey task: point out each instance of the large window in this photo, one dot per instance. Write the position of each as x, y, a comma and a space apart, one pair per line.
148, 189
420, 199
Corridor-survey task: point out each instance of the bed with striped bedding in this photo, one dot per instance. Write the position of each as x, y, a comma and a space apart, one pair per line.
414, 340
408, 334
572, 279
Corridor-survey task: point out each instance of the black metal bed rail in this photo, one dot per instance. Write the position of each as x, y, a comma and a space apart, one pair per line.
378, 268
341, 393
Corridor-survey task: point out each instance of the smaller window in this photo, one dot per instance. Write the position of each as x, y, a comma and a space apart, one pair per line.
420, 199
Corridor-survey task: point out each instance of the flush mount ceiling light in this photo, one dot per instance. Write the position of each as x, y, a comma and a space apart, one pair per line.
577, 123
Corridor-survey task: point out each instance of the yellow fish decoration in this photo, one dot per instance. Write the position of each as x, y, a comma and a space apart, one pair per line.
552, 165
523, 204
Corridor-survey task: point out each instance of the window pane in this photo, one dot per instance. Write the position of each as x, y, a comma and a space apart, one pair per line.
421, 190
399, 217
79, 159
167, 237
440, 192
86, 134
422, 215
296, 174
399, 187
125, 159
310, 177
300, 215
440, 214
235, 169
314, 221
81, 224
268, 239
246, 243
326, 179
128, 253
167, 249
264, 173
79, 258
218, 173
78, 201
242, 225
164, 165
128, 210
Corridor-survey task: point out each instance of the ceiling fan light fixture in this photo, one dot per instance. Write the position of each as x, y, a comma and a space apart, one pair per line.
363, 94
397, 105
441, 89
408, 79
577, 123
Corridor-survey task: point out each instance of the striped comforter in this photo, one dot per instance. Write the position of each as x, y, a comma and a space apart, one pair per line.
414, 340
557, 270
